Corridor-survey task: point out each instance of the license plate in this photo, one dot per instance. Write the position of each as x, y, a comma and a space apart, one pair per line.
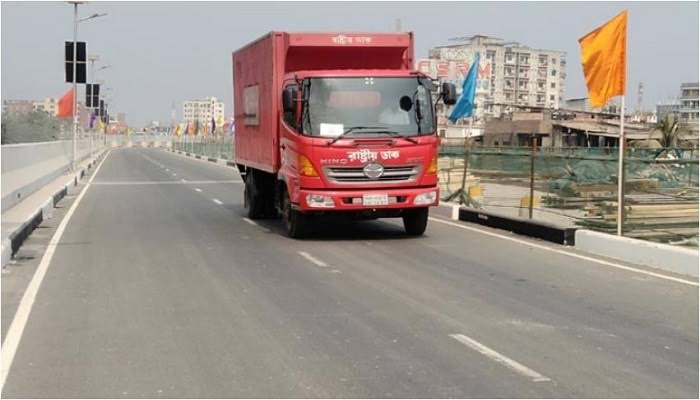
375, 199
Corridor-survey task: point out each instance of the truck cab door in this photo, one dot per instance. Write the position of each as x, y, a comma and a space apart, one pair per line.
288, 136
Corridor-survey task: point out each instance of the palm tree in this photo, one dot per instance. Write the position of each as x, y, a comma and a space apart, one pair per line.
669, 131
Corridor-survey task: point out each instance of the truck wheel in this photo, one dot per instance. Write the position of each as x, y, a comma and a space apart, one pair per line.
252, 202
295, 223
415, 221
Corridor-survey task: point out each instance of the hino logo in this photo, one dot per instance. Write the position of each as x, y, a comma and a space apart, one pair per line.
373, 170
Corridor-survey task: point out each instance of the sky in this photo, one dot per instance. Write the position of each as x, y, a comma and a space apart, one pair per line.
162, 53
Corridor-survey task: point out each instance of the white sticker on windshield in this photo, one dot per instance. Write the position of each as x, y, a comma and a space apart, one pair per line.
331, 130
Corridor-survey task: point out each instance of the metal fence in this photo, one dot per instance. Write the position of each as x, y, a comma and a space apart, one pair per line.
208, 146
578, 187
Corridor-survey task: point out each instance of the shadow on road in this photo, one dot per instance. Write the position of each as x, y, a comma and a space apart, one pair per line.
331, 229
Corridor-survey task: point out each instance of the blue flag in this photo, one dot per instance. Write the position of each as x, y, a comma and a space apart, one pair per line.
465, 103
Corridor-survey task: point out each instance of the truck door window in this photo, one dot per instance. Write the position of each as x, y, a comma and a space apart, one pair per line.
290, 117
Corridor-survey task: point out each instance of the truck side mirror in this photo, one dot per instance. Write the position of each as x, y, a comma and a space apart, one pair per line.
449, 93
289, 98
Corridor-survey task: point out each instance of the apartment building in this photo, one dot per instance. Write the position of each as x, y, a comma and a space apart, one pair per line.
509, 73
203, 110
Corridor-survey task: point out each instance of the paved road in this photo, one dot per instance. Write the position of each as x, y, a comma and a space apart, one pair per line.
160, 288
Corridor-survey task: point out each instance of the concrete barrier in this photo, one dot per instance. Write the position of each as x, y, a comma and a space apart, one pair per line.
528, 227
27, 167
139, 141
676, 259
17, 232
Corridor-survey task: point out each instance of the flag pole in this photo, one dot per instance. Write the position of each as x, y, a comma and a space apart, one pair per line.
621, 172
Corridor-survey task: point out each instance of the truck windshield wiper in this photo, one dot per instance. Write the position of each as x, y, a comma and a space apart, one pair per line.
397, 135
375, 129
352, 129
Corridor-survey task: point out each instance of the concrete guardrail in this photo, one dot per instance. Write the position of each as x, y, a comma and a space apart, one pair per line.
27, 167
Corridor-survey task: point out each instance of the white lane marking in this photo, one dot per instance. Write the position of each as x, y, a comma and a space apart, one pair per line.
500, 358
174, 174
250, 221
566, 253
198, 190
183, 181
19, 321
313, 259
217, 201
167, 170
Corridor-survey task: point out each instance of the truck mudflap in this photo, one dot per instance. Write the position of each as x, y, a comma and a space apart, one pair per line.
359, 200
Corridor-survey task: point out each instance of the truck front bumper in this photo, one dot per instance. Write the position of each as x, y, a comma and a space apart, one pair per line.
359, 200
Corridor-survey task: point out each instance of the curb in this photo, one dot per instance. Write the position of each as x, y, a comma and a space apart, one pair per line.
675, 259
11, 245
527, 227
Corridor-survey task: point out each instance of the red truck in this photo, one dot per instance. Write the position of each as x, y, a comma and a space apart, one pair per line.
336, 124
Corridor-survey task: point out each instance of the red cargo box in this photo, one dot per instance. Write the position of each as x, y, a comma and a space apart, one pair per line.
260, 67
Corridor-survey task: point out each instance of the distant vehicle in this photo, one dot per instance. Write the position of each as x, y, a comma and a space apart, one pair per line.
335, 124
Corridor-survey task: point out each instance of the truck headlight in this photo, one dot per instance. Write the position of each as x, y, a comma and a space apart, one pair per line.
425, 198
319, 201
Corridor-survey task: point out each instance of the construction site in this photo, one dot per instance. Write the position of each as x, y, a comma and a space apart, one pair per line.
577, 186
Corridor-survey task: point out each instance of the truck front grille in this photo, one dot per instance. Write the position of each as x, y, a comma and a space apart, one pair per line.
403, 173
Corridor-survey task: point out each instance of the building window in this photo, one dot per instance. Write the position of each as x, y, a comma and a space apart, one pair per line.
554, 72
551, 97
554, 60
553, 85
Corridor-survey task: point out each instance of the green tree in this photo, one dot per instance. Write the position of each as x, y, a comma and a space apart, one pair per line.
669, 130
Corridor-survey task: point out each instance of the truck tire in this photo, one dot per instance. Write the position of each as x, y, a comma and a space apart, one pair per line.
295, 222
253, 201
415, 221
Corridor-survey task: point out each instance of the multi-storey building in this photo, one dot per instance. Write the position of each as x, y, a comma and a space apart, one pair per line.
17, 106
508, 74
667, 108
203, 110
48, 105
688, 112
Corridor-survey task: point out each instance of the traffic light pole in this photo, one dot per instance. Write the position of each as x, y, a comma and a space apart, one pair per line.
75, 86
92, 78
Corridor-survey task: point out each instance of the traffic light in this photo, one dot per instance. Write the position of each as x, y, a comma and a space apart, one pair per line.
92, 95
81, 62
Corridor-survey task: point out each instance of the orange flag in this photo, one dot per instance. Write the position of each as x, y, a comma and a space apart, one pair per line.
604, 59
65, 104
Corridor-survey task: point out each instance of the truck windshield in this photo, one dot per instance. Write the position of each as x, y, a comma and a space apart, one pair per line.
333, 106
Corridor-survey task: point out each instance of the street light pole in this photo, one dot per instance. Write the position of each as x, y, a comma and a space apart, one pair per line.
75, 77
92, 78
75, 84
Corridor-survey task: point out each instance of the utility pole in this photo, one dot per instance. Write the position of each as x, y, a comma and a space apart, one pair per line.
92, 78
75, 84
